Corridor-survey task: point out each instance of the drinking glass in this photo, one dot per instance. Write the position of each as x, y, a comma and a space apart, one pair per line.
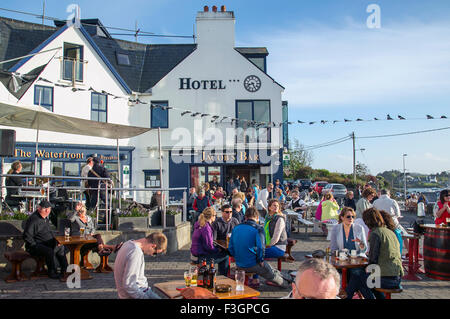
448, 221
239, 276
194, 275
82, 231
187, 278
67, 232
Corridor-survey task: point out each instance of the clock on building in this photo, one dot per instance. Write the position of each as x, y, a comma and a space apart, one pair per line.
252, 83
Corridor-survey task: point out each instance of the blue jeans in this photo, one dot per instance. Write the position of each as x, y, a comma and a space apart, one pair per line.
273, 252
220, 258
358, 281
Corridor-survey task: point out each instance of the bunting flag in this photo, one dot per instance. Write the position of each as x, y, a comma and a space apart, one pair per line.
217, 119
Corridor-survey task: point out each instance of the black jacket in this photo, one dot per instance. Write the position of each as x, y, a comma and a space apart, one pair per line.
101, 171
222, 228
37, 231
13, 181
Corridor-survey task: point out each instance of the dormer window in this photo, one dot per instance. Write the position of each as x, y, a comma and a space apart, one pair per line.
72, 66
122, 59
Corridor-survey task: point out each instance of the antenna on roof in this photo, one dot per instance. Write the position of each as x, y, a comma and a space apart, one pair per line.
136, 31
43, 11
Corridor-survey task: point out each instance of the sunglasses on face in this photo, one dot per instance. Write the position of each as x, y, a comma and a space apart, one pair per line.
350, 216
228, 211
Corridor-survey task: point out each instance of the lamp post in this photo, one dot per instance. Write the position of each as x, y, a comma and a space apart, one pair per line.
404, 176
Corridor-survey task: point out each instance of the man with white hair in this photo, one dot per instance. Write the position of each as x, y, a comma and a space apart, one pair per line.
316, 279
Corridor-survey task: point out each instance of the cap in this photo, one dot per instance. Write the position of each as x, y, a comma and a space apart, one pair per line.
45, 204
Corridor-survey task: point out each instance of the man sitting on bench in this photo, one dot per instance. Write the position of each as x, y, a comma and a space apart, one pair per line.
39, 240
247, 245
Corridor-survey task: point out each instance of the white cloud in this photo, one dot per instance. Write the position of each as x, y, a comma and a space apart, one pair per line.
323, 66
433, 157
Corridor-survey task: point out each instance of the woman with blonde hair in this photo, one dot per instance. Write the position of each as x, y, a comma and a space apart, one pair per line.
329, 207
202, 241
275, 230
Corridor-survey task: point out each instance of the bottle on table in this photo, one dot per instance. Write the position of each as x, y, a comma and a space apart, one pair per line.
205, 276
211, 276
201, 273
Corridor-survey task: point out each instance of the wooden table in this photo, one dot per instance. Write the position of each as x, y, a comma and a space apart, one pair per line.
74, 243
343, 265
169, 289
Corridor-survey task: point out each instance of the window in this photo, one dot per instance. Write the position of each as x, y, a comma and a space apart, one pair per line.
43, 96
72, 63
152, 179
258, 111
159, 116
122, 59
99, 107
72, 169
259, 62
198, 176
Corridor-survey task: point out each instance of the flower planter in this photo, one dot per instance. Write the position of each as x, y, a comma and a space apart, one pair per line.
130, 223
11, 227
173, 220
155, 218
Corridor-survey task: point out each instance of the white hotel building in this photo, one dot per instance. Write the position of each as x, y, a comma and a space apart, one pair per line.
93, 76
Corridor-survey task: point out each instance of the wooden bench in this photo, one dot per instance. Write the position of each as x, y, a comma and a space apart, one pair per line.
16, 258
305, 223
388, 292
287, 256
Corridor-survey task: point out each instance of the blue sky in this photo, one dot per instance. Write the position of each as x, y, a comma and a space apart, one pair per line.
331, 64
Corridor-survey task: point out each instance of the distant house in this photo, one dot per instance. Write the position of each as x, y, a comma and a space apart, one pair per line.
432, 179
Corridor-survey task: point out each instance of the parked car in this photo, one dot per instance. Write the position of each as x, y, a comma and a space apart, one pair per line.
338, 190
318, 186
304, 184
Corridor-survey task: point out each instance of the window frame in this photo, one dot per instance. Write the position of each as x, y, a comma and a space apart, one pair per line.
269, 133
98, 110
45, 105
73, 46
166, 102
152, 172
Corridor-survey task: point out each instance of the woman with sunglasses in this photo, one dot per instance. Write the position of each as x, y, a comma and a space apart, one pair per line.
347, 235
443, 207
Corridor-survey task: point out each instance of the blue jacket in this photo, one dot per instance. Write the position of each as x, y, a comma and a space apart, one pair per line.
247, 244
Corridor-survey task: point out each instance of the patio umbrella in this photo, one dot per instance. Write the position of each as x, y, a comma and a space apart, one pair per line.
39, 118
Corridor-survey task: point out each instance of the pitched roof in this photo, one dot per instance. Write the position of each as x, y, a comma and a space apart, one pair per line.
19, 38
149, 63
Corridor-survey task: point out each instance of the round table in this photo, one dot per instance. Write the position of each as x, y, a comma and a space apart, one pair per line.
436, 251
343, 265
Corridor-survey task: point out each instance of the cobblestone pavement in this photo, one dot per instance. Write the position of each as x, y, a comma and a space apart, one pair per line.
171, 267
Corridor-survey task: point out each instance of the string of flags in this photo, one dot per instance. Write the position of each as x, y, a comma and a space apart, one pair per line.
239, 121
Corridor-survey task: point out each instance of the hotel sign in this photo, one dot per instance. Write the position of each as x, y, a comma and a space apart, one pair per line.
240, 156
188, 84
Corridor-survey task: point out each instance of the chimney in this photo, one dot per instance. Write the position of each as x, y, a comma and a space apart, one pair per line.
215, 28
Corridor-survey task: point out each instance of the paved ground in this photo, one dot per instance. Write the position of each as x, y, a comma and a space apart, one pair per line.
171, 267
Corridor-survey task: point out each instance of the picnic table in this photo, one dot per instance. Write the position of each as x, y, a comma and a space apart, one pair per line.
74, 243
169, 289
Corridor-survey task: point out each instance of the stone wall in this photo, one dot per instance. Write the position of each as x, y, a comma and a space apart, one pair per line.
177, 237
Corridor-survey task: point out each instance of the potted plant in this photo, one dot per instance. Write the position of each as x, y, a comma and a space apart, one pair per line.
134, 218
12, 222
173, 217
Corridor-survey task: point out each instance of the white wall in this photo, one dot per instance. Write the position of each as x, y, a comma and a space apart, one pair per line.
66, 102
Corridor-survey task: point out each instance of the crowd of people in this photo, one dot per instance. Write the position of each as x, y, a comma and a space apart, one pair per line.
256, 230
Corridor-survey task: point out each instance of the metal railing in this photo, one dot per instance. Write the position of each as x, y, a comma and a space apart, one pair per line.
104, 185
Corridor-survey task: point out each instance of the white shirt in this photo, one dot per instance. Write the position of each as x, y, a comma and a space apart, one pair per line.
263, 195
129, 273
84, 173
388, 205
